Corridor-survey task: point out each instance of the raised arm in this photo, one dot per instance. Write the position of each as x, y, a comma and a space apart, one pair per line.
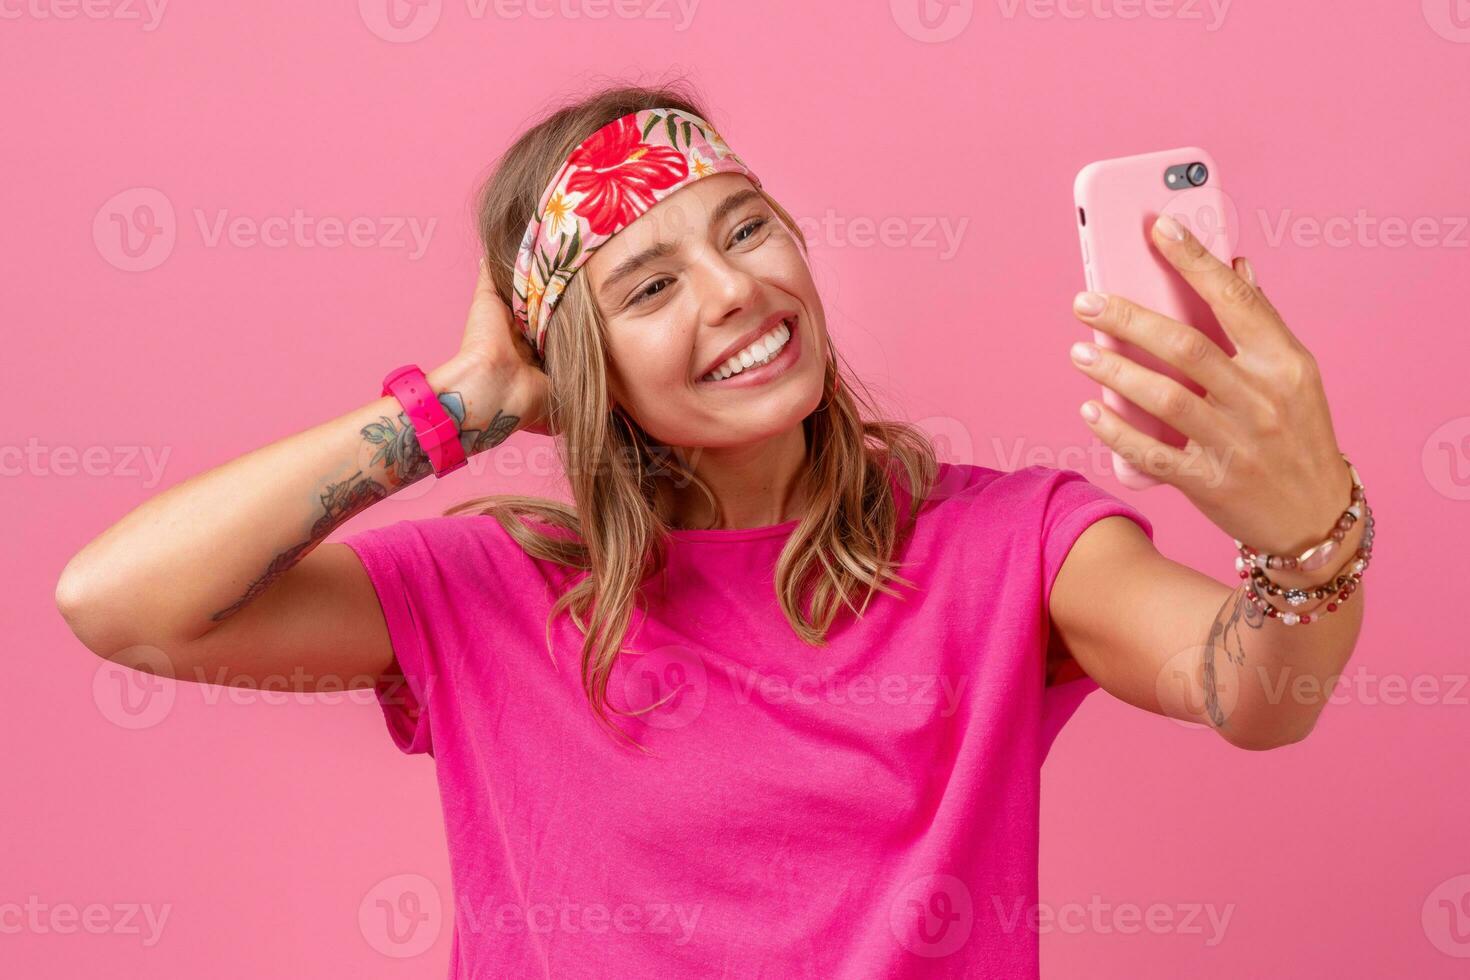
1166, 638
224, 578
1262, 464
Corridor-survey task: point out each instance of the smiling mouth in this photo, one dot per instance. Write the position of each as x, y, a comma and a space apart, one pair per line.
764, 350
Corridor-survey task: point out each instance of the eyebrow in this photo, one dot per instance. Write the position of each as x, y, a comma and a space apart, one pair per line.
661, 250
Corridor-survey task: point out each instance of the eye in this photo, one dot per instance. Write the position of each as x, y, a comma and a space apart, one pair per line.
753, 226
648, 292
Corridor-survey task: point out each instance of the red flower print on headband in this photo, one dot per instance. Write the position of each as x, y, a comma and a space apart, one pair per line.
614, 175
619, 173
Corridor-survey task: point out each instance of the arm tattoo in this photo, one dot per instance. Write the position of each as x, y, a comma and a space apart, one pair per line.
1225, 637
499, 429
339, 502
399, 449
404, 460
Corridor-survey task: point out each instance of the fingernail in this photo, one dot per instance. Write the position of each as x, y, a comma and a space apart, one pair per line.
1089, 304
1084, 353
1248, 270
1170, 228
1090, 412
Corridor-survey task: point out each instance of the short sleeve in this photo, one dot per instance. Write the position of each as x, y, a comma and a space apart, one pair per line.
399, 564
1070, 505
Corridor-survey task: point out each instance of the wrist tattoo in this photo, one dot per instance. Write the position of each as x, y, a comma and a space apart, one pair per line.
497, 431
399, 451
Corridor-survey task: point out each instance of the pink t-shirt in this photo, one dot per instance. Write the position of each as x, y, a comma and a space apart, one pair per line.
867, 809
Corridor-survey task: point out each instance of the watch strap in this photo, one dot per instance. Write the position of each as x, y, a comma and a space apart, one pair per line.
435, 429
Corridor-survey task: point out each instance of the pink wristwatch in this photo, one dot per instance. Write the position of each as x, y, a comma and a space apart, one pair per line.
435, 428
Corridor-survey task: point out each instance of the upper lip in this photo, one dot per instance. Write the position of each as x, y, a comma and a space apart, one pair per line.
767, 325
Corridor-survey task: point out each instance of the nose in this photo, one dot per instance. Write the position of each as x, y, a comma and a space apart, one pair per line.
725, 289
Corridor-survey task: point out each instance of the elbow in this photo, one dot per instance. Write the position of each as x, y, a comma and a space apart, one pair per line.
107, 633
1265, 738
70, 595
75, 601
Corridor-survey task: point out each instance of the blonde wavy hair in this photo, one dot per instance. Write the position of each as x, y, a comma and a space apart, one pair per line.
621, 479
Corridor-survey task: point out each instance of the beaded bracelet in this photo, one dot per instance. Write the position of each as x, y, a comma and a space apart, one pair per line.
1252, 564
1333, 594
1321, 553
1306, 618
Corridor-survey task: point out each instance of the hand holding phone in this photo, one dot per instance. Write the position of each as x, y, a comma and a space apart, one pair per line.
1117, 203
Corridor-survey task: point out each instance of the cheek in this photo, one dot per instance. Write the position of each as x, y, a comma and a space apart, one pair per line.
651, 366
653, 382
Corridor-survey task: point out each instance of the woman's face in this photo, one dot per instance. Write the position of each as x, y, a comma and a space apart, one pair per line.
703, 275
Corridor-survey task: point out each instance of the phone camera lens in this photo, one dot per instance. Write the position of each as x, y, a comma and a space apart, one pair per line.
1198, 173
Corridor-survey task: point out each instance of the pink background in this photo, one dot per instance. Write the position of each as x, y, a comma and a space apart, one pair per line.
264, 827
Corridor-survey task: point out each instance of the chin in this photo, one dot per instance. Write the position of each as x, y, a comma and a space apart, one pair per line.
779, 421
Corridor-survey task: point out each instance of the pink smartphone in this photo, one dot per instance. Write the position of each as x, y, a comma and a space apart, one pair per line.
1117, 203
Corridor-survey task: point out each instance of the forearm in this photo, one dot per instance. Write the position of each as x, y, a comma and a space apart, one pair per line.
1282, 675
189, 558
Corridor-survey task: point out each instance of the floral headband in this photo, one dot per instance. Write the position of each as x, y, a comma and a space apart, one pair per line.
606, 183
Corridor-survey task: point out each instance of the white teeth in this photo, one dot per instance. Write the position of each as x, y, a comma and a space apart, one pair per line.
761, 351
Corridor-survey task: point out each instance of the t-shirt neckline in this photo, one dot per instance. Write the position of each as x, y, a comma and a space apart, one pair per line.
734, 533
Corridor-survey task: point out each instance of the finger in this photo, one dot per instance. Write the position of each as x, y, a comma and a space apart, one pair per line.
1247, 271
1176, 344
1160, 395
1147, 454
488, 314
1237, 305
484, 283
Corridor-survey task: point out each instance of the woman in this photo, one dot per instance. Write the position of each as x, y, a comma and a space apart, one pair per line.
815, 671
